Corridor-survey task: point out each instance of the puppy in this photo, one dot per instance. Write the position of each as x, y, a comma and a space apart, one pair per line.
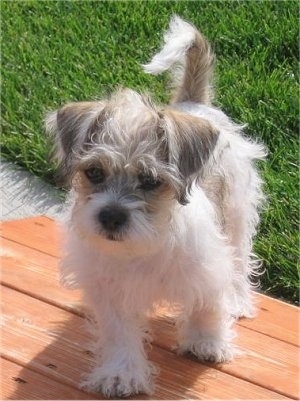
163, 208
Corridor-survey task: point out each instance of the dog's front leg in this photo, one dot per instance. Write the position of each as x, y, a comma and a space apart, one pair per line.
121, 366
207, 334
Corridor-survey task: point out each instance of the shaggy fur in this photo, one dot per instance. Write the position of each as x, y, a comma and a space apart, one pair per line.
163, 208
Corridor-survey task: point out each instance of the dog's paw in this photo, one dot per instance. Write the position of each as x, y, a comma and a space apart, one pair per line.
209, 350
120, 385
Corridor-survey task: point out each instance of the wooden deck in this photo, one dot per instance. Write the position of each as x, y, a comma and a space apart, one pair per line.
44, 341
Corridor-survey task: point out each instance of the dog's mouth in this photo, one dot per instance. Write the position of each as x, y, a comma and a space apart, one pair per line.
114, 237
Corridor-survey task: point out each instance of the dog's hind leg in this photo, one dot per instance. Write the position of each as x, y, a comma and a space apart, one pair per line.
207, 334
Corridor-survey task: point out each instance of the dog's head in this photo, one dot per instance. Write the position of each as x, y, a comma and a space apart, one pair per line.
128, 162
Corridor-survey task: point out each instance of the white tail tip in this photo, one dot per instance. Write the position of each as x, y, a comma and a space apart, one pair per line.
177, 40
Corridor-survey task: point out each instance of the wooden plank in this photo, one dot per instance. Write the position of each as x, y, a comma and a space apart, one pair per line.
21, 383
262, 355
271, 313
39, 233
44, 335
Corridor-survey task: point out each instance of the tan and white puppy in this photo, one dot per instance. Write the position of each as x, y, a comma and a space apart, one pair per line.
163, 208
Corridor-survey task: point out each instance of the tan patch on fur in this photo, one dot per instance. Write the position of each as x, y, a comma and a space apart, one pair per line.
216, 190
81, 184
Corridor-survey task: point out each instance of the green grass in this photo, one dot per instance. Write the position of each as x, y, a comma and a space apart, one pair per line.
57, 51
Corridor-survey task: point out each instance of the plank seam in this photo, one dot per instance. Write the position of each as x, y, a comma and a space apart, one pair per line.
30, 247
42, 299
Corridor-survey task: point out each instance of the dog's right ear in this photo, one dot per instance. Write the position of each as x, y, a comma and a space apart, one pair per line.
69, 128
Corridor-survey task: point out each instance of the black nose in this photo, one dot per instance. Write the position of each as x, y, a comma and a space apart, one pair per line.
113, 218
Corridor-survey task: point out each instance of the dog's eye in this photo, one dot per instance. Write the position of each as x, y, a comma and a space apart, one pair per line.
148, 182
95, 175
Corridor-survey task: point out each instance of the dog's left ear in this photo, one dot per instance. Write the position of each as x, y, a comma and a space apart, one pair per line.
190, 141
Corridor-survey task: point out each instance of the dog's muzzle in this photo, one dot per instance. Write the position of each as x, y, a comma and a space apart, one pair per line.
113, 218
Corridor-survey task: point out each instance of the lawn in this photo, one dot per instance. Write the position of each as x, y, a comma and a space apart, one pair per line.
57, 51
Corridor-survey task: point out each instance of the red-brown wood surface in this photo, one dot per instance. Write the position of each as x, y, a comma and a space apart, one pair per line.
44, 341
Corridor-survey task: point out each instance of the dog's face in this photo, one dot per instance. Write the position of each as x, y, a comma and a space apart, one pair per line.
128, 163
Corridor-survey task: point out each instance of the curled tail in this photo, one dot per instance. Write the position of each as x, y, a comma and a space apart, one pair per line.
185, 46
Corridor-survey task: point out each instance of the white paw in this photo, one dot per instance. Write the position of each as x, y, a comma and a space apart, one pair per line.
121, 384
208, 349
